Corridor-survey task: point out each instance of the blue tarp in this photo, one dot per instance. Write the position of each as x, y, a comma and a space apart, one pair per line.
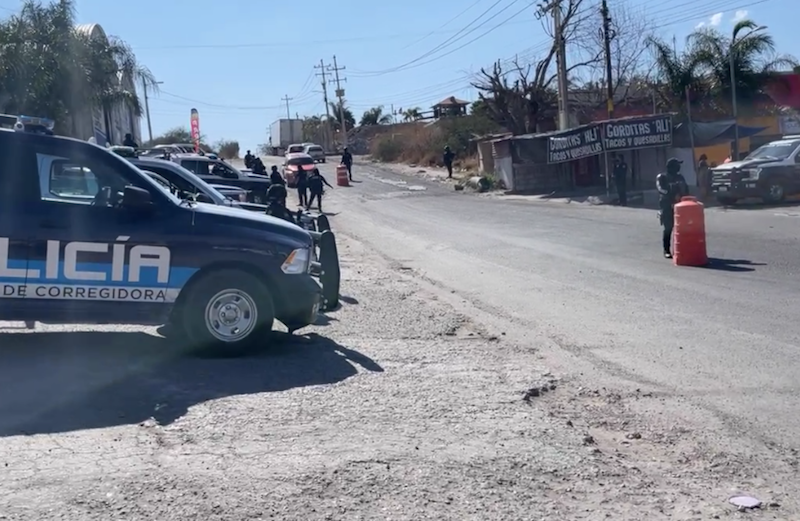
706, 134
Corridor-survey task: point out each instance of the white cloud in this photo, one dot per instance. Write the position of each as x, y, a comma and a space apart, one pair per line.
739, 15
715, 20
700, 25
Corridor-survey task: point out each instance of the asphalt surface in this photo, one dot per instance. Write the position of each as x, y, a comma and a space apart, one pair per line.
589, 285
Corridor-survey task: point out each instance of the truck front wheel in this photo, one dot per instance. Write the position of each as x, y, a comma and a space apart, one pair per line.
228, 312
776, 192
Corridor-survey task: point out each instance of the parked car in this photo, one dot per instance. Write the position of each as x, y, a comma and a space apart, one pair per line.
316, 152
297, 148
771, 173
219, 172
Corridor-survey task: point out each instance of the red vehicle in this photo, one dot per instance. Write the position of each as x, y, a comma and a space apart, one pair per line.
293, 163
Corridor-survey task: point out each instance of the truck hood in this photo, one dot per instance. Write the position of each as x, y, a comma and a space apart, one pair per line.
749, 163
241, 217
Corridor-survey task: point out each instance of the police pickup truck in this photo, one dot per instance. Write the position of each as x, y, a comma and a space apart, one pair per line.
136, 254
771, 173
216, 171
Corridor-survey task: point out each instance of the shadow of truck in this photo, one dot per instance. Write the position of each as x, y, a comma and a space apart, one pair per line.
59, 382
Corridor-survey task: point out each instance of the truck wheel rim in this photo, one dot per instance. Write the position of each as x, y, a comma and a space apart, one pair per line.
231, 315
776, 191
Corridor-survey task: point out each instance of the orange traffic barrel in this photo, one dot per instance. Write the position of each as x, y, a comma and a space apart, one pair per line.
689, 234
341, 176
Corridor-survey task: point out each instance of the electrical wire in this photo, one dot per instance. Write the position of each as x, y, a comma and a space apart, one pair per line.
442, 45
438, 30
683, 16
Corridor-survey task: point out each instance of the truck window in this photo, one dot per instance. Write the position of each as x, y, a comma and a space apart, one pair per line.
223, 170
172, 177
69, 180
198, 167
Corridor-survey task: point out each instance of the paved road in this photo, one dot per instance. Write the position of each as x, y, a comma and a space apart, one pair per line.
588, 285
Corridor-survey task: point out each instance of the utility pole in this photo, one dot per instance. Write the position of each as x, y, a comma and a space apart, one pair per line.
147, 110
607, 36
322, 73
734, 104
286, 99
554, 7
340, 94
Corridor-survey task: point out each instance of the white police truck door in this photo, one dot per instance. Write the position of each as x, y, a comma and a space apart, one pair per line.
95, 259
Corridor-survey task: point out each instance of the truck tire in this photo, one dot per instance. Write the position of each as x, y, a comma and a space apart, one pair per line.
323, 159
776, 191
227, 313
331, 274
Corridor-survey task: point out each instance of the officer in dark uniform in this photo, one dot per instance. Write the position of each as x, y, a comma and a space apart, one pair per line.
621, 179
276, 203
248, 160
275, 177
447, 159
671, 187
316, 187
347, 160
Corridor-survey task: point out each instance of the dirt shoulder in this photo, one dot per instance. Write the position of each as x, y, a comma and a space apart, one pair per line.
397, 406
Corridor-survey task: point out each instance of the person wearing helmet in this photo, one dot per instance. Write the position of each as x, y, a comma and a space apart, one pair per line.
275, 177
671, 187
276, 203
347, 160
129, 142
248, 160
447, 159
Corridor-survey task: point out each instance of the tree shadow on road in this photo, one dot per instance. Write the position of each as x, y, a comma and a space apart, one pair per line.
733, 265
60, 382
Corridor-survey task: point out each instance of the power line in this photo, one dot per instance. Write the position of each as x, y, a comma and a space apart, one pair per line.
438, 30
253, 45
482, 35
287, 99
445, 43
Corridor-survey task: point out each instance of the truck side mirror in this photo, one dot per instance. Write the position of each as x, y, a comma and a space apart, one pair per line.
135, 198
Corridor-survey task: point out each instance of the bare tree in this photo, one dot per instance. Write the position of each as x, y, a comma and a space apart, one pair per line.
630, 59
519, 104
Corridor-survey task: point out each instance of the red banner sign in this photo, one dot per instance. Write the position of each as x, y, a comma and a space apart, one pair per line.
195, 123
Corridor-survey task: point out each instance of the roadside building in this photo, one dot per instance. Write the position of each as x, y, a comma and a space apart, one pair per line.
107, 124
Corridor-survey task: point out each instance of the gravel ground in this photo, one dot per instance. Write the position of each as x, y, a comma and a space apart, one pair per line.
396, 406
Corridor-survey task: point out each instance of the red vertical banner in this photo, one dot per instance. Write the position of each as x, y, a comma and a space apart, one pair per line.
195, 121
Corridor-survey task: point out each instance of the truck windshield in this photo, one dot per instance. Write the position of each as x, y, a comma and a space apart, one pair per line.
777, 150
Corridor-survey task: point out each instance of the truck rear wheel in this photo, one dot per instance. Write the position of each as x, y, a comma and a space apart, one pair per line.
228, 313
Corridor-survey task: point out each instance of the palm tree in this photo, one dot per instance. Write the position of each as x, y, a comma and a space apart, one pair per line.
51, 69
675, 74
349, 118
375, 116
749, 51
414, 114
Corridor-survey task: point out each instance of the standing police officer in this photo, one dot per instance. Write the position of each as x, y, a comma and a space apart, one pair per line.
621, 179
671, 187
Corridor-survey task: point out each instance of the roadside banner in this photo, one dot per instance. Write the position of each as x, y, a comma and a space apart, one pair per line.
637, 133
574, 144
195, 125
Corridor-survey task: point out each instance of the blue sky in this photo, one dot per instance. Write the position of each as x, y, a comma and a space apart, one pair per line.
235, 60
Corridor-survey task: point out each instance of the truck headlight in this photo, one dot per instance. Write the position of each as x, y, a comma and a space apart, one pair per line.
297, 262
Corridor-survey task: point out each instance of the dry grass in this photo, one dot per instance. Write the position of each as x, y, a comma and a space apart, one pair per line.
419, 145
